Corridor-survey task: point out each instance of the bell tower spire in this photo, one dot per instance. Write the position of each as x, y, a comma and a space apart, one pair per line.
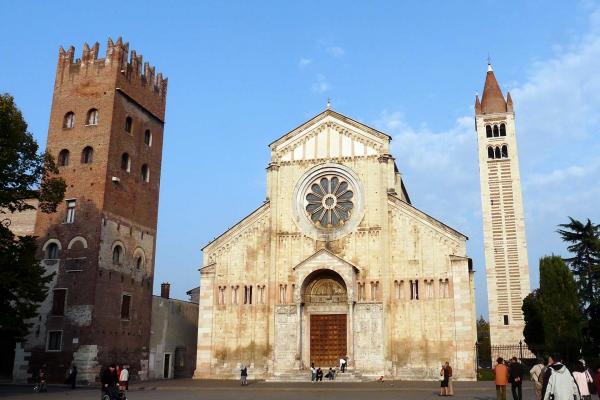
503, 216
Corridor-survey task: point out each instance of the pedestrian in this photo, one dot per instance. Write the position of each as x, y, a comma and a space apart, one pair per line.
319, 375
109, 381
313, 373
450, 385
515, 377
537, 377
343, 364
124, 378
501, 378
72, 379
558, 381
597, 382
583, 379
243, 375
444, 380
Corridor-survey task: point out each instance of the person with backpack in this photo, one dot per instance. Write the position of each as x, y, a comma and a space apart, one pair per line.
584, 380
537, 377
559, 384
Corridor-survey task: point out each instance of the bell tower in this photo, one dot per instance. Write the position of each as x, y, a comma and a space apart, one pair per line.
106, 134
503, 216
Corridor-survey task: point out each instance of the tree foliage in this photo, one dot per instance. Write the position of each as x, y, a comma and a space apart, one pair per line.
552, 313
24, 174
483, 339
534, 323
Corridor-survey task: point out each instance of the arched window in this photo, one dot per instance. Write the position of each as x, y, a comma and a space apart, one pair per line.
117, 254
502, 130
92, 117
496, 133
490, 152
139, 262
69, 120
126, 162
488, 131
148, 138
52, 251
505, 151
497, 152
128, 125
145, 175
63, 158
87, 155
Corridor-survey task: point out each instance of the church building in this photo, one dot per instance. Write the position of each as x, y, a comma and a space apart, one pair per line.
336, 263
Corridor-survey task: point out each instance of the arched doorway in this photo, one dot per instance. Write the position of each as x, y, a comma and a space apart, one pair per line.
325, 300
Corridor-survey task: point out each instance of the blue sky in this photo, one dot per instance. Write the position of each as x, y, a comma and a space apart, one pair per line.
243, 73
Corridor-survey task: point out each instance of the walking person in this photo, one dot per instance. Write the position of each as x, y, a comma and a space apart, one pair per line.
124, 378
450, 385
501, 378
109, 382
558, 381
515, 377
243, 375
313, 373
72, 379
583, 379
444, 377
597, 382
537, 377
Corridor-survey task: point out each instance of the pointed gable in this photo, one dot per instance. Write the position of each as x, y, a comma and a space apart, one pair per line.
329, 135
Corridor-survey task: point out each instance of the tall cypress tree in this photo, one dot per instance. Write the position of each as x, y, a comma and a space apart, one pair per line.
559, 305
534, 323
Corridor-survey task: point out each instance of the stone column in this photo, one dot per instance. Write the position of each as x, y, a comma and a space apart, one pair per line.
351, 334
299, 334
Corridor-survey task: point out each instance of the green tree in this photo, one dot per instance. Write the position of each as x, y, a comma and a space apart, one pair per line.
24, 174
559, 305
483, 339
534, 323
584, 244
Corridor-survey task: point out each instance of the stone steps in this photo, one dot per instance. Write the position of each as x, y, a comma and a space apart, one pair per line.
303, 376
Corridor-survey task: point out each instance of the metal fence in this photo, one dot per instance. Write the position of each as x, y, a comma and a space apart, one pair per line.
520, 350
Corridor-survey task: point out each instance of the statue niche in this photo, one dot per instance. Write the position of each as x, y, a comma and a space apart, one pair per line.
326, 290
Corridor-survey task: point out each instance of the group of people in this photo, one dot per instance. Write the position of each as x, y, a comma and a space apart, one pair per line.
446, 387
115, 381
553, 381
317, 374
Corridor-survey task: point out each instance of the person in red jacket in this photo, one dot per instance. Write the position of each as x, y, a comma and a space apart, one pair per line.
597, 381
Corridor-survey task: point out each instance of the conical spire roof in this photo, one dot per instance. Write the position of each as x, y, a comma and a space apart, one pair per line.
492, 100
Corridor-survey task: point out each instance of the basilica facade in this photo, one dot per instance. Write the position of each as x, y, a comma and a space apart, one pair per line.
336, 263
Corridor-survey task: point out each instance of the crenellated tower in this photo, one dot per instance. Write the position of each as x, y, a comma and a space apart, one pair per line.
503, 216
106, 133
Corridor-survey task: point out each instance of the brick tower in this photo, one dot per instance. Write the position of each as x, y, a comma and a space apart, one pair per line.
503, 216
106, 132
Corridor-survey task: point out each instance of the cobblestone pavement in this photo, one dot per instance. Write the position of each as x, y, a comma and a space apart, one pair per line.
183, 389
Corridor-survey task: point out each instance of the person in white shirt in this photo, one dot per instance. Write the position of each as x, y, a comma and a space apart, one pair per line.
124, 378
343, 364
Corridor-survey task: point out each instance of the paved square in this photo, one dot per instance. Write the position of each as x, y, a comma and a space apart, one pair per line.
183, 389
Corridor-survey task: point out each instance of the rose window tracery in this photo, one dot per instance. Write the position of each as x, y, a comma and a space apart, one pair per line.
329, 202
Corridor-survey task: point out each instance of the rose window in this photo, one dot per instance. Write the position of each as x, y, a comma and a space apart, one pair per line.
329, 202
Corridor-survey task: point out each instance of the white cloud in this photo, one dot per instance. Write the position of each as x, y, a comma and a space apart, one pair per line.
321, 85
335, 51
304, 62
558, 132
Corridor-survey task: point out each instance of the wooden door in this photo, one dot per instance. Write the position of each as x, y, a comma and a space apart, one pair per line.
327, 339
